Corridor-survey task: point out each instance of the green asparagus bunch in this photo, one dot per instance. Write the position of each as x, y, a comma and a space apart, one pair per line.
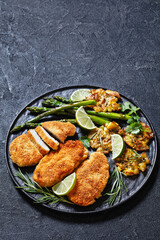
53, 111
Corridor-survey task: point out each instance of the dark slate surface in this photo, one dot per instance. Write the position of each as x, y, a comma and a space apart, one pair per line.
50, 44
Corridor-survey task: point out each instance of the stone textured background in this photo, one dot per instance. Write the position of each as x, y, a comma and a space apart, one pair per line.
47, 44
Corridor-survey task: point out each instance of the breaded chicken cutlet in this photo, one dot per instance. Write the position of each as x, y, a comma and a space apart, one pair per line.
58, 164
37, 141
60, 130
49, 140
92, 177
23, 152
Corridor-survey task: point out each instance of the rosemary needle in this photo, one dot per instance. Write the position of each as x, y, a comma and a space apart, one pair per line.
31, 186
117, 186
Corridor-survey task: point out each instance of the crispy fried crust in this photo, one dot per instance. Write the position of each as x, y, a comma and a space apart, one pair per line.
53, 143
23, 152
92, 177
61, 130
58, 164
42, 150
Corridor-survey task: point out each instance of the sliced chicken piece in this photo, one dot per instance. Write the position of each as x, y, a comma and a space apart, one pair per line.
49, 140
23, 152
60, 130
38, 142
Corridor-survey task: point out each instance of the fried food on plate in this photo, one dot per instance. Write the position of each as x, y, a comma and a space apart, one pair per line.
92, 177
60, 130
23, 152
106, 100
101, 137
140, 141
131, 163
58, 164
49, 140
37, 141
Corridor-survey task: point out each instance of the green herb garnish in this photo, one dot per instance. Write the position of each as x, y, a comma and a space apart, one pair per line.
134, 125
117, 186
86, 141
31, 186
127, 106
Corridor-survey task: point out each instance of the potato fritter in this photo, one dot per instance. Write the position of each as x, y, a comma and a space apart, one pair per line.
140, 141
131, 163
23, 152
106, 100
92, 177
101, 137
58, 164
60, 130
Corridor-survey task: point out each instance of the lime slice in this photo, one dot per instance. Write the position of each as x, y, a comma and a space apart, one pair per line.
83, 119
117, 145
65, 186
80, 95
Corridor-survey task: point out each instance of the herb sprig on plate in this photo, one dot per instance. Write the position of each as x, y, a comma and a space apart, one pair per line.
134, 125
117, 186
31, 186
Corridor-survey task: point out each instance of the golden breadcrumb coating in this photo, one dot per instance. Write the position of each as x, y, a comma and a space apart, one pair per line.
92, 177
58, 164
61, 130
49, 140
23, 152
41, 149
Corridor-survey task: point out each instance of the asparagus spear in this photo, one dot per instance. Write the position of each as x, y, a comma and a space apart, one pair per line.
53, 111
37, 110
95, 119
98, 120
111, 115
62, 99
50, 102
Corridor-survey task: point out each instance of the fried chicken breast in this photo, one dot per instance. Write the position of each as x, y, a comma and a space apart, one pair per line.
92, 177
47, 138
60, 130
23, 152
37, 141
58, 164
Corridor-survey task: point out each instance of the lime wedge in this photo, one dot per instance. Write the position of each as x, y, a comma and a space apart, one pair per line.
117, 145
65, 186
83, 119
80, 95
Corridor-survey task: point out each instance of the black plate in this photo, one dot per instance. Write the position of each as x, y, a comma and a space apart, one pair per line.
134, 184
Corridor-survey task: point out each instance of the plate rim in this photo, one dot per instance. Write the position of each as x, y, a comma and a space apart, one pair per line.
143, 183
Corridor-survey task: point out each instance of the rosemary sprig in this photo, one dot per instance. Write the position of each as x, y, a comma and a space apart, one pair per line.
117, 186
31, 186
